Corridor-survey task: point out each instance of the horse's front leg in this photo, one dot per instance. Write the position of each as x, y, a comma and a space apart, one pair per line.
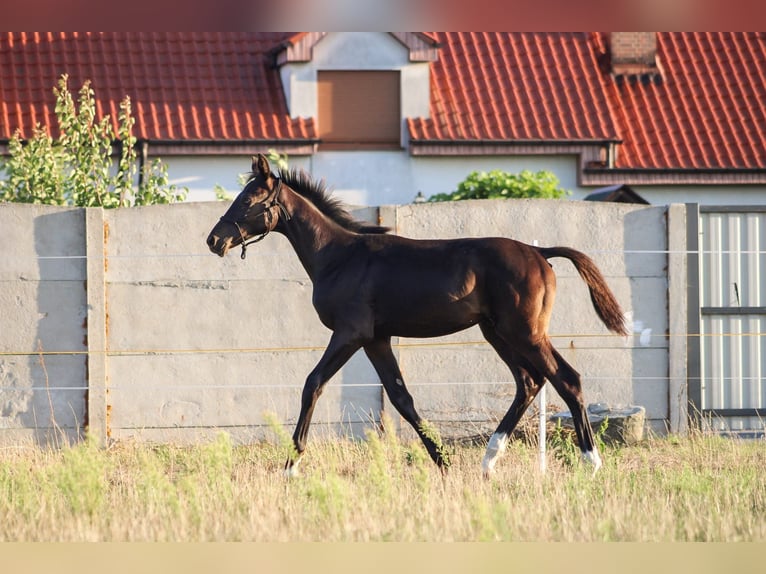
341, 348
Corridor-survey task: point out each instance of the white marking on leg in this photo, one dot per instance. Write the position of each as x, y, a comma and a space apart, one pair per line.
495, 448
292, 470
399, 382
592, 458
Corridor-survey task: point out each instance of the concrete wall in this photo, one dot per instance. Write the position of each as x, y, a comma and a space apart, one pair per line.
150, 336
614, 370
201, 343
43, 322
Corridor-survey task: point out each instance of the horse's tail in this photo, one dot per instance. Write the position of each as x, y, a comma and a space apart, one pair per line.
604, 301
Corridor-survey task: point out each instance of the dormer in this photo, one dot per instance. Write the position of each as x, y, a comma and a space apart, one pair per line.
359, 86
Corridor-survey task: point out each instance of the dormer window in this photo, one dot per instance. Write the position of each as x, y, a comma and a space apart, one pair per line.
359, 109
358, 88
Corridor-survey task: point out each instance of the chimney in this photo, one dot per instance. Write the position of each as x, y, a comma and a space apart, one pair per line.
634, 53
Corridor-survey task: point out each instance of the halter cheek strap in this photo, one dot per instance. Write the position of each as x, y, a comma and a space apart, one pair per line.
274, 203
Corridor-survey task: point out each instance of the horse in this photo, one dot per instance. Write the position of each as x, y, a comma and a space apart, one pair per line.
370, 285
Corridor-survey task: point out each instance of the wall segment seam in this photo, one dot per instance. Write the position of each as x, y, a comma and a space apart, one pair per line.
97, 400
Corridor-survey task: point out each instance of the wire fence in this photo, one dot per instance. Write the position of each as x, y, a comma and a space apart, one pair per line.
656, 340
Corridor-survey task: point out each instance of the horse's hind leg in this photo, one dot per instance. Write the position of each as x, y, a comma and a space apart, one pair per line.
567, 383
382, 358
566, 380
528, 384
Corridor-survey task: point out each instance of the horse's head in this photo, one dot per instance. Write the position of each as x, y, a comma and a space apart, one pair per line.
254, 213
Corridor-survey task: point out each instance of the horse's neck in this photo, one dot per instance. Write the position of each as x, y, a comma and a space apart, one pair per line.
313, 235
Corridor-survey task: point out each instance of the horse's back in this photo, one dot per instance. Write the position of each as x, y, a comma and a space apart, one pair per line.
434, 287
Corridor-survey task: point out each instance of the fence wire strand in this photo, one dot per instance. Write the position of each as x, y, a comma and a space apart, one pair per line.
317, 348
282, 254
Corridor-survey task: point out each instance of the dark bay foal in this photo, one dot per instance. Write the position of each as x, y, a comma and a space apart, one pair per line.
370, 286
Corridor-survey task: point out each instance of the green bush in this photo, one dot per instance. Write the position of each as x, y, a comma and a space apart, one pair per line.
498, 184
77, 167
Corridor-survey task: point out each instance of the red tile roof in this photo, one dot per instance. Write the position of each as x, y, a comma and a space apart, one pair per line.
706, 111
183, 86
516, 86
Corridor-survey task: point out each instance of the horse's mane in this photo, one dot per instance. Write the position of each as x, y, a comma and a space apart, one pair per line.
316, 192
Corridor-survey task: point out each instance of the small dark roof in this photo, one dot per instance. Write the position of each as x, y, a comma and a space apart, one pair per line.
617, 194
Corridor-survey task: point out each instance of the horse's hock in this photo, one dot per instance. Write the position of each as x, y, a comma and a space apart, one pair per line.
625, 425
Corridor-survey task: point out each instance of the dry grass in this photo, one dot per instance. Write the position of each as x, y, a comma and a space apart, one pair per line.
701, 488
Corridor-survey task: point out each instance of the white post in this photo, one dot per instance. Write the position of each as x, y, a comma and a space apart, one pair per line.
541, 439
543, 416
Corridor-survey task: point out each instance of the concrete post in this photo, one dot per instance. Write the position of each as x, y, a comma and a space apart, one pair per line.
95, 241
387, 216
677, 319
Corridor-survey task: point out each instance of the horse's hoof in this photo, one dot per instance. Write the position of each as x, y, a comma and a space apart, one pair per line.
495, 449
291, 469
592, 459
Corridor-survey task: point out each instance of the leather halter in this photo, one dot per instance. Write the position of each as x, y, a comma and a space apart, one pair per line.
268, 209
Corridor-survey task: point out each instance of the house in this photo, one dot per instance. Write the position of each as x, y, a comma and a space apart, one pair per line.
678, 117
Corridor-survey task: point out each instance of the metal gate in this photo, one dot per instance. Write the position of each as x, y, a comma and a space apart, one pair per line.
728, 382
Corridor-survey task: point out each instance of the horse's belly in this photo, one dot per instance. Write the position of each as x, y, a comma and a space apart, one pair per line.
428, 320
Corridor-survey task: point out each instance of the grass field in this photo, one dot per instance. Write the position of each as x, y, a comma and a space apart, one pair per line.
701, 488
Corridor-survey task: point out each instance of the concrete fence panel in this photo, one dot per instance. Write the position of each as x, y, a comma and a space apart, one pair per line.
614, 370
43, 322
123, 321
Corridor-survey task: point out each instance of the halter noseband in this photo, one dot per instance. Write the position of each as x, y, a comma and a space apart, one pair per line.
274, 203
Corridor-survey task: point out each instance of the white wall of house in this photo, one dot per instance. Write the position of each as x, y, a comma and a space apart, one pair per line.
369, 177
703, 194
394, 177
200, 174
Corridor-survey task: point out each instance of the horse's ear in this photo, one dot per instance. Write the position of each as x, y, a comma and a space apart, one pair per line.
261, 165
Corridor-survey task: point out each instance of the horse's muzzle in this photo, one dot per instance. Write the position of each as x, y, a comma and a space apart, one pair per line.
218, 245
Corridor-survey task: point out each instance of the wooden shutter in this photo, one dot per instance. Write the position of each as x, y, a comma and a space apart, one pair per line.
359, 109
